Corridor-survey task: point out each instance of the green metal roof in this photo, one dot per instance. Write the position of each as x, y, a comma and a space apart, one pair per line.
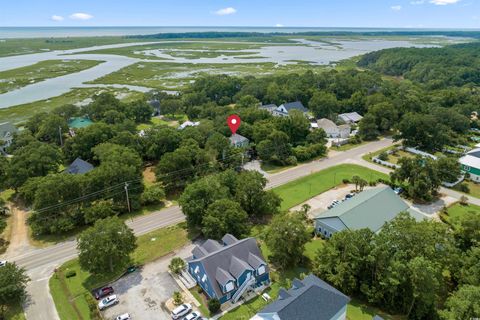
369, 209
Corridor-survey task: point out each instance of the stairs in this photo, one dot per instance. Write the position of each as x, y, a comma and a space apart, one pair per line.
241, 290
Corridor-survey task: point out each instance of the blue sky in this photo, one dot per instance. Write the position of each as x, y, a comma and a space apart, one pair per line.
289, 13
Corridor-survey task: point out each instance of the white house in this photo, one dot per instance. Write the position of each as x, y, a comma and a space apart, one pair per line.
350, 117
7, 130
470, 163
284, 109
332, 130
188, 124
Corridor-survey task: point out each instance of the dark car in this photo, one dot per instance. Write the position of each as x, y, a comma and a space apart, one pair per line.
102, 292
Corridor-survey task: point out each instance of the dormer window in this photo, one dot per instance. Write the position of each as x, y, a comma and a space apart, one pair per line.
204, 278
229, 286
197, 269
261, 270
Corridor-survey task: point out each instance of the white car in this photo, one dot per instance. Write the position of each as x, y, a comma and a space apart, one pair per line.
108, 302
3, 263
193, 316
181, 311
124, 316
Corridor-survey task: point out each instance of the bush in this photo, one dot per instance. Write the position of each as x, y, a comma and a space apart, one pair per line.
383, 156
372, 183
177, 298
213, 305
291, 161
92, 307
345, 181
70, 274
176, 265
153, 195
464, 188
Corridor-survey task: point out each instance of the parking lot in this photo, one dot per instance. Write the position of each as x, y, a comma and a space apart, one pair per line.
143, 293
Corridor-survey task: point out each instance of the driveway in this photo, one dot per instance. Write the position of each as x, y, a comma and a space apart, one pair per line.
143, 294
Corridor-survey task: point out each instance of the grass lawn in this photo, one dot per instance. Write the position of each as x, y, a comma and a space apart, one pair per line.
474, 188
393, 158
348, 146
20, 77
202, 299
298, 191
457, 210
368, 157
70, 295
357, 310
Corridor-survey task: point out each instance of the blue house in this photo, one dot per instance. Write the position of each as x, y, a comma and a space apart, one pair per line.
227, 270
309, 299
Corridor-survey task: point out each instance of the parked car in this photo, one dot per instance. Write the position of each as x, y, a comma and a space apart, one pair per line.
181, 311
349, 196
398, 190
103, 292
124, 316
193, 316
108, 302
3, 263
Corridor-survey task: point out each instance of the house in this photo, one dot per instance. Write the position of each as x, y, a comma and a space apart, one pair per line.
284, 109
79, 166
7, 131
332, 130
369, 209
188, 124
227, 270
470, 163
239, 141
309, 299
269, 107
350, 117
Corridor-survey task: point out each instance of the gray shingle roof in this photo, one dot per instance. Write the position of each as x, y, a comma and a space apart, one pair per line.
223, 258
236, 139
255, 261
223, 276
7, 127
229, 239
297, 105
377, 317
79, 166
315, 300
350, 117
211, 246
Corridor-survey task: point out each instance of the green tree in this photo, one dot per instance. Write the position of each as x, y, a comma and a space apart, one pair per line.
13, 281
324, 105
34, 160
368, 128
171, 106
225, 216
153, 194
250, 193
467, 229
100, 209
462, 304
275, 148
52, 129
106, 247
177, 265
198, 196
286, 237
214, 305
448, 169
160, 140
177, 298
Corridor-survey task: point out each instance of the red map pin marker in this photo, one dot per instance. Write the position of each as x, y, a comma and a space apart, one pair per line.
234, 122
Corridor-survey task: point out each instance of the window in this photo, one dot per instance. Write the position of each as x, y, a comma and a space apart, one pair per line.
197, 269
261, 270
229, 287
204, 278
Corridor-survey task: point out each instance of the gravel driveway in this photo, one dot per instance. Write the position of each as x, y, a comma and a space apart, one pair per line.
144, 293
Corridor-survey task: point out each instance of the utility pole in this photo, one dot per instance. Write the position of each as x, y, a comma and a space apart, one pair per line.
128, 199
60, 135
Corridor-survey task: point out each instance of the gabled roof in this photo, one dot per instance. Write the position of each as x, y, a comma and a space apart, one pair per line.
7, 128
269, 107
297, 105
350, 117
232, 259
326, 124
223, 276
79, 166
368, 209
229, 239
236, 139
311, 298
471, 159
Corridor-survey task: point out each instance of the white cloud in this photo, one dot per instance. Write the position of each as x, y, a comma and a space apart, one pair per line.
57, 18
444, 2
80, 16
396, 8
225, 11
417, 2
279, 25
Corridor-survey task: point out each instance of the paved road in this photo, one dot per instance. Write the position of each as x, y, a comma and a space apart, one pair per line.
40, 263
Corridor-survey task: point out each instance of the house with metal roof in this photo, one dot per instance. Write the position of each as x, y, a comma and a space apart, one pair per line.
470, 163
350, 117
239, 141
79, 166
226, 270
369, 209
7, 131
269, 107
307, 299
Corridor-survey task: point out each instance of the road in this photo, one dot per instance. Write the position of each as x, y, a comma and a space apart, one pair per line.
40, 263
